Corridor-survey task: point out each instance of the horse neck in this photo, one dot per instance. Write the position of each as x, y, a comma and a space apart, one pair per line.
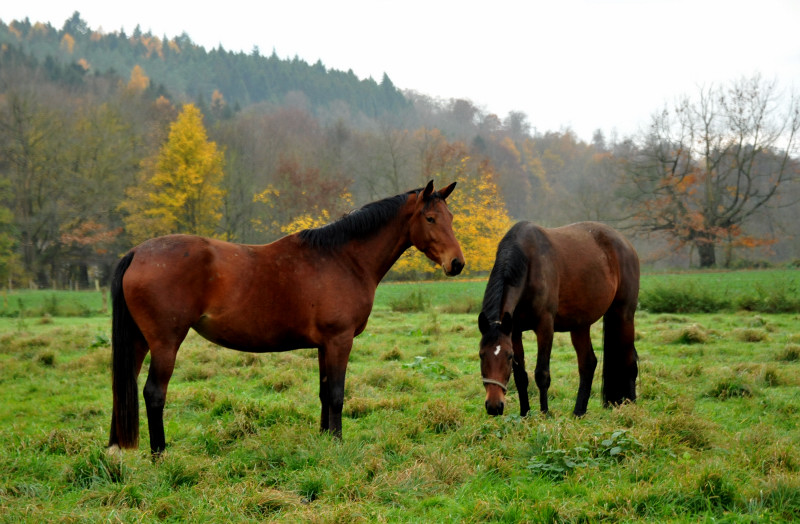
504, 303
374, 256
505, 288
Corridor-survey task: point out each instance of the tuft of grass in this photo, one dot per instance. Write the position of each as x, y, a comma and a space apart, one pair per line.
732, 387
178, 472
686, 429
464, 305
47, 358
392, 355
782, 495
268, 503
791, 353
691, 334
95, 467
750, 334
718, 491
441, 416
414, 302
772, 377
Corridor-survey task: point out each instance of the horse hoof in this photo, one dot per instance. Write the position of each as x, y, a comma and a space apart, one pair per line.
113, 450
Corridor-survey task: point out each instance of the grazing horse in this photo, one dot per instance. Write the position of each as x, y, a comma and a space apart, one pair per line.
312, 289
560, 279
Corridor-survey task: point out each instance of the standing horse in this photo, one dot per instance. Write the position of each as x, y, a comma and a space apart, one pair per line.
561, 279
313, 289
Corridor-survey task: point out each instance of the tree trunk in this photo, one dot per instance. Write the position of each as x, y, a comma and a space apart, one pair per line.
707, 253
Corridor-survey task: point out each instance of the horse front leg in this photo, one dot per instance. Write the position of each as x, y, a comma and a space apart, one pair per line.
587, 362
520, 374
544, 341
333, 367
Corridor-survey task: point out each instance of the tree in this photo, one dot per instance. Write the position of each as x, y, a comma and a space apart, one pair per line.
480, 218
184, 193
708, 166
32, 150
301, 198
139, 81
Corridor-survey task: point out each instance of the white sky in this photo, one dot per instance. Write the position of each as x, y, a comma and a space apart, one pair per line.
582, 64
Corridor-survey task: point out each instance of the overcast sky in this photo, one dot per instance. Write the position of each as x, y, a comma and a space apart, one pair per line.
579, 64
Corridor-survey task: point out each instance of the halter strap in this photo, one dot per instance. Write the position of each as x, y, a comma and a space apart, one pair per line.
496, 383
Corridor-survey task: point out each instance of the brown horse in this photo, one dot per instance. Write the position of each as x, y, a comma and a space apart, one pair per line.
313, 289
561, 279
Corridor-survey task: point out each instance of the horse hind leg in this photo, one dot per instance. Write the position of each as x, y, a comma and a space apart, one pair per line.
620, 367
162, 364
544, 341
587, 363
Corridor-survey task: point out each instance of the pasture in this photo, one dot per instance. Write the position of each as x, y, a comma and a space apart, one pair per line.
712, 437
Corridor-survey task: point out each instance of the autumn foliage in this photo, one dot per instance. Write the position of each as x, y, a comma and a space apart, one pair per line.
183, 194
480, 219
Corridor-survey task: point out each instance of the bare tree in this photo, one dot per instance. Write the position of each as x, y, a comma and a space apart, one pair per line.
707, 166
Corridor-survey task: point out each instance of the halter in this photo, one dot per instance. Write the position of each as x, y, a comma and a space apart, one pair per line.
496, 383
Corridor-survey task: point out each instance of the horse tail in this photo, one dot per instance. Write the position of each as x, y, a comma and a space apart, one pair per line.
620, 365
620, 359
124, 332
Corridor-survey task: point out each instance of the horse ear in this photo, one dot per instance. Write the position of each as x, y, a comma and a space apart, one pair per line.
483, 323
505, 323
426, 194
444, 193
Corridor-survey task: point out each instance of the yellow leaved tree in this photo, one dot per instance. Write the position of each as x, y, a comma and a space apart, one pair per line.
182, 190
480, 220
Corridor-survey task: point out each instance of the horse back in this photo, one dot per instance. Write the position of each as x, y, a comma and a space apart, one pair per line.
580, 270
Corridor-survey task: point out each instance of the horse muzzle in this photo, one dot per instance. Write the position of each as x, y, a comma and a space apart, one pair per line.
456, 266
494, 408
495, 402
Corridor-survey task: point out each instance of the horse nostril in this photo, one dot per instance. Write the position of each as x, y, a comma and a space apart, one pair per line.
494, 409
455, 267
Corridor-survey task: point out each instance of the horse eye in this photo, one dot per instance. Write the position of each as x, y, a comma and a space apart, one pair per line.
430, 219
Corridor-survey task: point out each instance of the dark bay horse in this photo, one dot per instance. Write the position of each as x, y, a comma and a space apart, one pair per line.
313, 289
561, 279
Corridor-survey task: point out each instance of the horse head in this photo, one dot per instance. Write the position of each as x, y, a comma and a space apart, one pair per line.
431, 229
497, 357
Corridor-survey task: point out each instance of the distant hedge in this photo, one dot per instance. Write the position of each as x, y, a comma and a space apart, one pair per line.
700, 295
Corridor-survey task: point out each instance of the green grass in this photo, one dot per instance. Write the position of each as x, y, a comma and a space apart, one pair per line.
713, 436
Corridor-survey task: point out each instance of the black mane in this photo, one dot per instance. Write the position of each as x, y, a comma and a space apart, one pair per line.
356, 224
510, 268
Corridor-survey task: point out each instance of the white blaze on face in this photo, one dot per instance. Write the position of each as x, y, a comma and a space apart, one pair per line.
497, 351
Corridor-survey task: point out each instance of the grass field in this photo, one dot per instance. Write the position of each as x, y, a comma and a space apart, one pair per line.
713, 436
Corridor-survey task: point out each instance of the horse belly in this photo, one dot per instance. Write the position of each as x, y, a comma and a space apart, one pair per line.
583, 308
252, 337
